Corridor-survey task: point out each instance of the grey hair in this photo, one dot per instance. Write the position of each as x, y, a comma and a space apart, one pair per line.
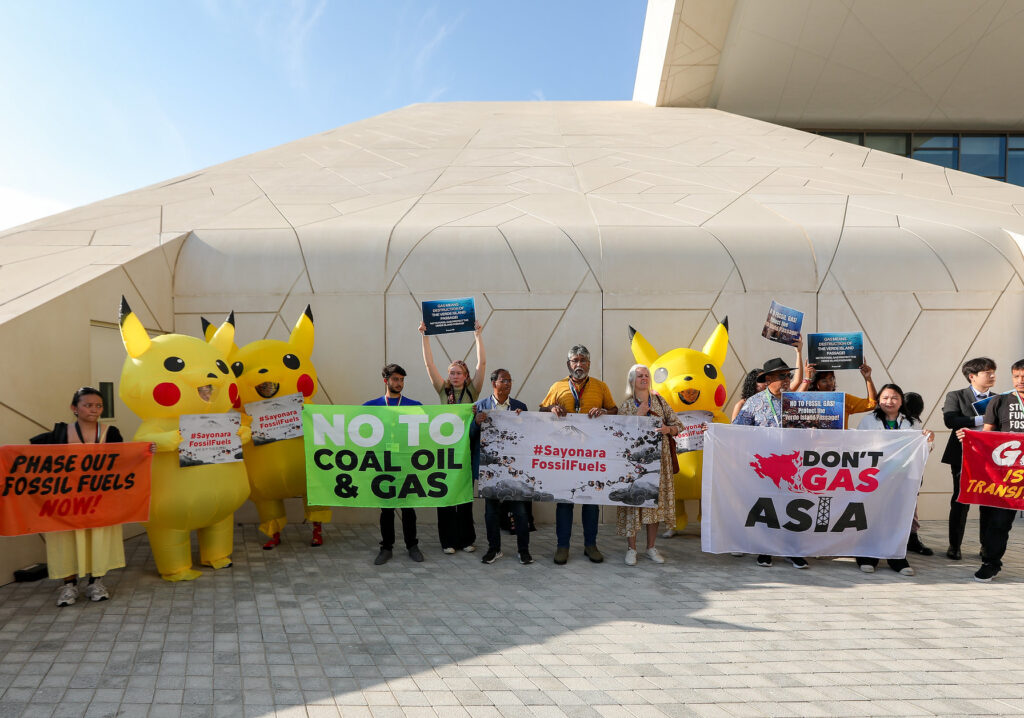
631, 379
578, 350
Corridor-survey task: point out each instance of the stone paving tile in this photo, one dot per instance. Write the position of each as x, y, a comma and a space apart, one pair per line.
301, 633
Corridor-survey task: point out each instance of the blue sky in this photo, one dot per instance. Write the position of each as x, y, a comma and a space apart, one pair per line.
103, 97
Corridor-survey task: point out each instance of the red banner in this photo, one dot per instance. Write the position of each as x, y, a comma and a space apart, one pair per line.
58, 487
993, 469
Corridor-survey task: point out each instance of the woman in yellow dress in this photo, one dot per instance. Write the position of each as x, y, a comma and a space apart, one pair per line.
83, 552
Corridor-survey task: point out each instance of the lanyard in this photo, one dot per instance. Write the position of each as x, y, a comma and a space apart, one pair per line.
78, 430
648, 402
577, 395
386, 400
771, 405
891, 424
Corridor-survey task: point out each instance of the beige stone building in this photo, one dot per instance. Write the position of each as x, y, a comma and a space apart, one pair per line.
567, 222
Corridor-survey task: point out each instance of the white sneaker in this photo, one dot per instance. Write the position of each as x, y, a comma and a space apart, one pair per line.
631, 557
68, 594
449, 550
907, 570
652, 553
469, 549
668, 533
867, 568
96, 591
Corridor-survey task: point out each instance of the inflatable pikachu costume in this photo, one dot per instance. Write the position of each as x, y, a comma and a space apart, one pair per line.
277, 470
692, 383
162, 379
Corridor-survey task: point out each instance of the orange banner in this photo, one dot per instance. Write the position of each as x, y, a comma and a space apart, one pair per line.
58, 487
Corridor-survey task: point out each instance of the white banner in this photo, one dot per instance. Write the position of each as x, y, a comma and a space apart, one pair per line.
810, 492
209, 439
275, 419
535, 456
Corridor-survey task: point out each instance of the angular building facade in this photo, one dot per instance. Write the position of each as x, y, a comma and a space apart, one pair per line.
567, 222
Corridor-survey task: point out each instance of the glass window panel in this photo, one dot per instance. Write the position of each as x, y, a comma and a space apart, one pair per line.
945, 158
1015, 168
1016, 142
934, 142
896, 144
851, 137
984, 156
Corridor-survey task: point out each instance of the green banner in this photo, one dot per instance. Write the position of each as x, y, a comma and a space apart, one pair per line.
388, 456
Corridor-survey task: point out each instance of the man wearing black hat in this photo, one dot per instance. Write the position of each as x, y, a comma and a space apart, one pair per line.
765, 409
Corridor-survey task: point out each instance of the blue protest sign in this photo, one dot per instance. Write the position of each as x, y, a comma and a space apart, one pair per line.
813, 409
783, 324
831, 351
447, 316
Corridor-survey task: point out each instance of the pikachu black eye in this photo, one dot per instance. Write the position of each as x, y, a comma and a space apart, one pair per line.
174, 364
237, 368
710, 371
291, 361
222, 366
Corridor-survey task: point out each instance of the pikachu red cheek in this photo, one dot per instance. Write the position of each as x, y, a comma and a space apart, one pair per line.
720, 395
233, 395
305, 385
166, 394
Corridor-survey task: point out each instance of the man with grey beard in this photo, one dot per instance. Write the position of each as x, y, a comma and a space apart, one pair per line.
578, 393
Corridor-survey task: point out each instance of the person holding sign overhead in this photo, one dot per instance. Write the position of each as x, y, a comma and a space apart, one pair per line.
578, 393
92, 552
455, 523
826, 381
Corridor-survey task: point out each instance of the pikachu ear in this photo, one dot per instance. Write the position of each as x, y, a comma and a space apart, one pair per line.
718, 343
302, 334
133, 334
208, 329
223, 340
643, 352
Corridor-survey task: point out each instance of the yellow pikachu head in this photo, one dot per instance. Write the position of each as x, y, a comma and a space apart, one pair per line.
688, 379
268, 368
174, 374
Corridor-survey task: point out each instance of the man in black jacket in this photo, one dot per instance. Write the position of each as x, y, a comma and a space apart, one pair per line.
959, 412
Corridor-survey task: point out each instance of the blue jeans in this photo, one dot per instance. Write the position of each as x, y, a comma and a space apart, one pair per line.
563, 523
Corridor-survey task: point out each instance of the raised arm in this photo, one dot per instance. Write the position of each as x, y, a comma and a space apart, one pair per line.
865, 371
481, 359
798, 369
428, 360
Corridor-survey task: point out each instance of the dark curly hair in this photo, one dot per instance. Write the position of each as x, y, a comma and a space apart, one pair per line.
749, 384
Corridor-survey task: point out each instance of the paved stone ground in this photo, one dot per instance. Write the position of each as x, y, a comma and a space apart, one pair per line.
323, 633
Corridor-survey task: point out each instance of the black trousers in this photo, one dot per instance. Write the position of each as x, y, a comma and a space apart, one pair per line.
957, 512
387, 528
492, 519
455, 526
995, 530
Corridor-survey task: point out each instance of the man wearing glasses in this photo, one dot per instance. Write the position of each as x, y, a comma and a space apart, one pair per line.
962, 411
578, 393
765, 409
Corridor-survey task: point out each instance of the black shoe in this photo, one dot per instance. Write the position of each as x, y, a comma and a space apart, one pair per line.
914, 544
953, 553
764, 560
986, 573
525, 557
383, 557
799, 562
415, 554
491, 556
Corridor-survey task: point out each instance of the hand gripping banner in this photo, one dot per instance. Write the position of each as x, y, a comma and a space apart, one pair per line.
993, 470
810, 492
388, 457
59, 487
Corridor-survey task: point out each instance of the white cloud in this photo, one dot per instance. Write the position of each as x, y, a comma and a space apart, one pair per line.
17, 207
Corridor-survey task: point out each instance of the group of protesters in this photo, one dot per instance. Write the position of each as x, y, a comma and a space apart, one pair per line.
887, 408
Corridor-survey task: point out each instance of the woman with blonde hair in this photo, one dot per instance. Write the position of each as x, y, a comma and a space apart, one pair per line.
455, 523
640, 401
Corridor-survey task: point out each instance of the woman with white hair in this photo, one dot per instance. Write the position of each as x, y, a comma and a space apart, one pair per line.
640, 401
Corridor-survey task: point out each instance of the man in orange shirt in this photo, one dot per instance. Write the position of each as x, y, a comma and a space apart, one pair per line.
578, 393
